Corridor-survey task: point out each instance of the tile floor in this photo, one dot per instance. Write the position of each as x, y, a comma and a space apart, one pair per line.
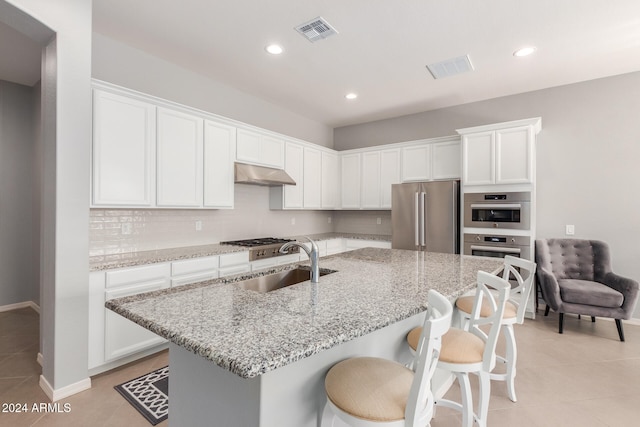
585, 377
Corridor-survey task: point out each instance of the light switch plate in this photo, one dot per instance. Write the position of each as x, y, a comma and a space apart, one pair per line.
570, 229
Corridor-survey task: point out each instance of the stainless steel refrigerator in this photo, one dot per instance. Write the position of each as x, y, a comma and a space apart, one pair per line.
425, 216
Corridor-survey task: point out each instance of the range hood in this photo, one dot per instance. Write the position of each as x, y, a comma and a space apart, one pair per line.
261, 175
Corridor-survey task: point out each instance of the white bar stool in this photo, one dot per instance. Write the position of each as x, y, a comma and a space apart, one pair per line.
514, 268
370, 391
473, 351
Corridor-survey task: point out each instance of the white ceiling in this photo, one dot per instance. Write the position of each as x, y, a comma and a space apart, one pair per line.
382, 48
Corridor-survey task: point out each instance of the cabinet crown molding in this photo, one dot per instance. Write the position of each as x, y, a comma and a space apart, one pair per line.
535, 122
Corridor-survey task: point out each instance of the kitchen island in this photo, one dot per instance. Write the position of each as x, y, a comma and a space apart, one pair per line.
241, 358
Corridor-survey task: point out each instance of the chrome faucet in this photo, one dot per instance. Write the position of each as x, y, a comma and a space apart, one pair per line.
312, 253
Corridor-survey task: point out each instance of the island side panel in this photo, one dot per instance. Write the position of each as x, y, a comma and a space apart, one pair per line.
203, 394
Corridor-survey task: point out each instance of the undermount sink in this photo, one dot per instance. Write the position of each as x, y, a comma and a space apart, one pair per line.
285, 278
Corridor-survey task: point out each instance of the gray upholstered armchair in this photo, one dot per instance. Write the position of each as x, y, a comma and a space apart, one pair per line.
575, 277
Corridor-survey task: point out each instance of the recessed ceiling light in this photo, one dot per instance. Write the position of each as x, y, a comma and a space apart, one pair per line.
274, 49
351, 95
524, 51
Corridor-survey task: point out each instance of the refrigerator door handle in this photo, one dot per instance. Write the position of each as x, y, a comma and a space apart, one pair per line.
423, 219
416, 225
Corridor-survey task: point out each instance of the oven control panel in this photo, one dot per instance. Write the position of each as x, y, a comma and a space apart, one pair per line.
497, 245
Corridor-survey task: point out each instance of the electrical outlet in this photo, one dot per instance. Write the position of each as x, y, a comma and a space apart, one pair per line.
198, 225
125, 228
569, 229
328, 220
379, 221
293, 221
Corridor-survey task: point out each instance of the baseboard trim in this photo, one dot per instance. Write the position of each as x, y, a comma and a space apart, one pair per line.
19, 305
39, 358
633, 321
61, 393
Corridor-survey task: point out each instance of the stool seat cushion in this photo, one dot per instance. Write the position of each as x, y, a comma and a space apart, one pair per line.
460, 346
370, 388
465, 304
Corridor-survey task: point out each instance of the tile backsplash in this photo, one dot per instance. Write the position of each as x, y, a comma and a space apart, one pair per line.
115, 231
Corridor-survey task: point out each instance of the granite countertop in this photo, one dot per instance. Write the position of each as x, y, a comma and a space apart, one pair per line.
249, 333
132, 259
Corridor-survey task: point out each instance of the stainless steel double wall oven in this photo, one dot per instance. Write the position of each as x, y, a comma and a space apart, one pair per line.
499, 214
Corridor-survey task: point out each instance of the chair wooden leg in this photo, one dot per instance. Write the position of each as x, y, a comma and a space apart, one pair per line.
561, 323
593, 319
466, 399
512, 355
483, 399
546, 310
620, 331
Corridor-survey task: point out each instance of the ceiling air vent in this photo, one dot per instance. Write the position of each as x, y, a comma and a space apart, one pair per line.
316, 29
450, 67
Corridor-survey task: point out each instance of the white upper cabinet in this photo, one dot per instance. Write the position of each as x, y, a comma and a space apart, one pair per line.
479, 158
260, 149
219, 152
123, 151
350, 181
370, 184
179, 159
315, 171
330, 180
416, 163
514, 155
148, 154
431, 160
312, 181
294, 166
380, 170
503, 153
389, 175
446, 159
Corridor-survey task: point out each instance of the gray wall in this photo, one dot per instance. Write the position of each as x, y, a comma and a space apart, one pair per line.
126, 66
19, 252
587, 155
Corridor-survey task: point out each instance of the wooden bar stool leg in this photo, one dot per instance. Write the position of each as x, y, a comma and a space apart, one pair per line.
483, 398
467, 400
512, 355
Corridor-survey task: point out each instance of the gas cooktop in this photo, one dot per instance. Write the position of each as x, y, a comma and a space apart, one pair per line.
263, 247
252, 243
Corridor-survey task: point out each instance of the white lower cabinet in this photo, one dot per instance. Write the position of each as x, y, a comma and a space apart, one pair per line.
122, 337
114, 340
234, 263
274, 261
334, 246
194, 270
351, 244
